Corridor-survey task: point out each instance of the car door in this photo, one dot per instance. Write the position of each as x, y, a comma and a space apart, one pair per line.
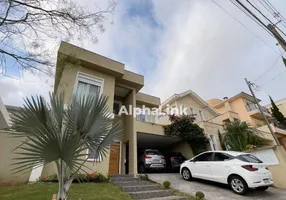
220, 167
200, 166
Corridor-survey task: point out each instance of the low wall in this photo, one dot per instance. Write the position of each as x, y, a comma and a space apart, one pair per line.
7, 145
278, 171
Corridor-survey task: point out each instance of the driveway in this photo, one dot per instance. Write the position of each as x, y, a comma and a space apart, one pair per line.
214, 191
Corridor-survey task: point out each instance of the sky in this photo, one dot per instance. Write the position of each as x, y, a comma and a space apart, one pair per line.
179, 45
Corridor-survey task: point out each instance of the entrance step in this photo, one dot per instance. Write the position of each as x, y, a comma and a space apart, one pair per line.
123, 178
122, 175
150, 194
138, 188
169, 198
131, 183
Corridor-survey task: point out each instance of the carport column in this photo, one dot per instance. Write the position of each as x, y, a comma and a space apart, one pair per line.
130, 134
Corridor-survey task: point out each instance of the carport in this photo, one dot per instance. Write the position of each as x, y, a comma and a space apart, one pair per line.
162, 143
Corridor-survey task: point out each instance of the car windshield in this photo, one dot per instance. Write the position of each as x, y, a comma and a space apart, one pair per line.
249, 158
153, 152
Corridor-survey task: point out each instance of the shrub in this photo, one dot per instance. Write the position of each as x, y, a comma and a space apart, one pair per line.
200, 195
92, 177
166, 184
144, 177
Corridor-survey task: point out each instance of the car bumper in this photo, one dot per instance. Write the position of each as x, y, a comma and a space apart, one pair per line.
260, 181
155, 166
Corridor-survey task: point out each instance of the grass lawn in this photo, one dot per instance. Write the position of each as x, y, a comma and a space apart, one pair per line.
44, 191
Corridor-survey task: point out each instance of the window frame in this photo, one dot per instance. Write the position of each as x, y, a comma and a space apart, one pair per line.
201, 115
230, 157
89, 79
195, 159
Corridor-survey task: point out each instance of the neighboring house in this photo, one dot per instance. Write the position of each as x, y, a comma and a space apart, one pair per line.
203, 113
82, 71
281, 104
7, 145
242, 107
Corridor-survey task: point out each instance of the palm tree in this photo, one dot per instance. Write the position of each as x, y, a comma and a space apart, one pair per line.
54, 132
239, 136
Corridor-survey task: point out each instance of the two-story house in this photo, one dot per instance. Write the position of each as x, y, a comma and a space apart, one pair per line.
203, 113
242, 107
82, 71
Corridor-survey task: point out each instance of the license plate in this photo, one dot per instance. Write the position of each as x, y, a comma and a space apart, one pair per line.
266, 181
156, 161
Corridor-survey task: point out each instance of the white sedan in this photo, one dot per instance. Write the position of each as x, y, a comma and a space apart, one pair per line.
239, 170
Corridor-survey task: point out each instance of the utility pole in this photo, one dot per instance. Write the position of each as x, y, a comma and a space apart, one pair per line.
277, 35
249, 84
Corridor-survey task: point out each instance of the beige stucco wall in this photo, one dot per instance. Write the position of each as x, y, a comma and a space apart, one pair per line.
7, 145
130, 135
189, 102
212, 129
68, 79
278, 171
184, 148
66, 85
147, 127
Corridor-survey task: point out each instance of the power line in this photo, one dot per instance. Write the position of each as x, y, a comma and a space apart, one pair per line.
278, 75
245, 27
264, 16
272, 66
258, 20
250, 16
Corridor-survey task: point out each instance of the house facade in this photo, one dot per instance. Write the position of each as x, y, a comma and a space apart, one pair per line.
205, 116
242, 107
82, 71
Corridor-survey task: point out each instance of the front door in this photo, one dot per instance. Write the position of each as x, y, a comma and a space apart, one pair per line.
220, 167
114, 158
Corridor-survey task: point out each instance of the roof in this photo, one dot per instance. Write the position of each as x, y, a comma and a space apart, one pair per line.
188, 92
241, 94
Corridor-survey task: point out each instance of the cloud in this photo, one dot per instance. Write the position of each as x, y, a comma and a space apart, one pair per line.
180, 46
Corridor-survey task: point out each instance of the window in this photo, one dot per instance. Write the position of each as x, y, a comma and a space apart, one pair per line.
87, 84
249, 158
201, 115
204, 157
221, 157
152, 152
116, 107
92, 157
192, 111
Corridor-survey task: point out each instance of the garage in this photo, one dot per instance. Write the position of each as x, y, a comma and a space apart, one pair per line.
150, 160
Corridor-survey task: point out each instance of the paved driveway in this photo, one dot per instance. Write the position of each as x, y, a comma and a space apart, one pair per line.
214, 191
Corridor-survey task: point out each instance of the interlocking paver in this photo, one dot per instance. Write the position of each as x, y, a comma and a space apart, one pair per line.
215, 191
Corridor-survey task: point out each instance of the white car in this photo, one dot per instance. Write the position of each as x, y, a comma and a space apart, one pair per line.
239, 170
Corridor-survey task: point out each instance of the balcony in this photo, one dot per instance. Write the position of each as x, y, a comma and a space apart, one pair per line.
225, 118
254, 111
148, 124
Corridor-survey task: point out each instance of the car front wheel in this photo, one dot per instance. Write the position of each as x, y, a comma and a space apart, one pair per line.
186, 174
238, 185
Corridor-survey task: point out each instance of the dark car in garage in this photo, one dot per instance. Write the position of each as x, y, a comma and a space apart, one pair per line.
173, 161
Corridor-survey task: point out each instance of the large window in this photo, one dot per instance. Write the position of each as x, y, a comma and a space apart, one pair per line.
87, 84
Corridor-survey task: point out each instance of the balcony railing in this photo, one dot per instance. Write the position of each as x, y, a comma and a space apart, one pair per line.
146, 118
251, 107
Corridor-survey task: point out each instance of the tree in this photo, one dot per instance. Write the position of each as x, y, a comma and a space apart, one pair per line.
30, 30
55, 134
276, 113
240, 137
185, 128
